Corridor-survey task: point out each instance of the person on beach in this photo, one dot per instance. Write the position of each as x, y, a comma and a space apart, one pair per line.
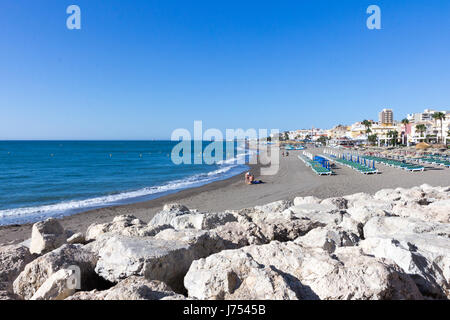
250, 179
247, 178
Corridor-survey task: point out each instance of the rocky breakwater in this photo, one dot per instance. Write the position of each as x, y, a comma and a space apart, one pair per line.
394, 244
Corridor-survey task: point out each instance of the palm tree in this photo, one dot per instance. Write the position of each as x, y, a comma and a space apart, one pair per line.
372, 138
394, 135
441, 117
367, 124
421, 128
405, 122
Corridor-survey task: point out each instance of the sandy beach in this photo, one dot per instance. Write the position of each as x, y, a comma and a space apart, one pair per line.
293, 179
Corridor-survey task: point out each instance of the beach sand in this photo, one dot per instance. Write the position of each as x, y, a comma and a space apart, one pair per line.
293, 179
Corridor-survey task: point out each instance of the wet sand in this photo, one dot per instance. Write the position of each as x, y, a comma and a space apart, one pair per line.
293, 179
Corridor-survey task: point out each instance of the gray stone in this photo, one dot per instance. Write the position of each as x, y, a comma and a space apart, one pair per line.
77, 238
66, 257
166, 257
13, 259
46, 236
298, 273
56, 287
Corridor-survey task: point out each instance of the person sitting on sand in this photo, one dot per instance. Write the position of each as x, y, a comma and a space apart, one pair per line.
251, 180
247, 178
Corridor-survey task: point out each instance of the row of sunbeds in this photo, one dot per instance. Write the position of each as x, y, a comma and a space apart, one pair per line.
396, 163
315, 166
435, 161
356, 166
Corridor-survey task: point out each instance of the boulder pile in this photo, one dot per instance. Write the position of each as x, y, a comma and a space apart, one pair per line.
394, 244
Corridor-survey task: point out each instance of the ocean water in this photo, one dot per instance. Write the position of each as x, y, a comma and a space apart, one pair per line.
41, 179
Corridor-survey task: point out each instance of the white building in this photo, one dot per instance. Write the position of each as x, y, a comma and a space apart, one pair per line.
433, 131
426, 115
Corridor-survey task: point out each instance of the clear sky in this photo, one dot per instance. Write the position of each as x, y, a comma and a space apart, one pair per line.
140, 69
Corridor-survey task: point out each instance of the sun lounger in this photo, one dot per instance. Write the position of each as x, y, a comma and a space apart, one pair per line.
315, 166
354, 165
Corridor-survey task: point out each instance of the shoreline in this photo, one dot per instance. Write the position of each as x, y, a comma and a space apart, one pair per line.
145, 210
293, 179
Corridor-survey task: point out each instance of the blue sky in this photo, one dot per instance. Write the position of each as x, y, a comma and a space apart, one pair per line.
140, 69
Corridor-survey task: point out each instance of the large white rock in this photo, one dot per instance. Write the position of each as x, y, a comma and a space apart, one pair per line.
393, 226
305, 274
46, 236
286, 229
77, 238
438, 211
338, 202
362, 210
165, 257
388, 195
202, 221
275, 207
132, 288
350, 225
240, 234
323, 213
328, 239
425, 268
169, 212
175, 207
66, 257
13, 259
364, 214
259, 217
126, 225
357, 197
420, 247
234, 275
306, 200
187, 221
56, 287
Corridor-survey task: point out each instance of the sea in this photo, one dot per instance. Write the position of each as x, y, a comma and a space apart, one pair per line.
42, 179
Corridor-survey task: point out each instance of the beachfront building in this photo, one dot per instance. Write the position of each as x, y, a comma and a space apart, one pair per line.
386, 116
306, 134
432, 131
426, 115
382, 131
339, 131
428, 135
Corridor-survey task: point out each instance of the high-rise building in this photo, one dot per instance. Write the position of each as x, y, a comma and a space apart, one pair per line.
386, 116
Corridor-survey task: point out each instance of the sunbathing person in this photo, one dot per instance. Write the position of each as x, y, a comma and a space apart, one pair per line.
247, 178
252, 180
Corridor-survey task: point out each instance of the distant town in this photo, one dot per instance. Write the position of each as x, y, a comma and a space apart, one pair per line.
430, 126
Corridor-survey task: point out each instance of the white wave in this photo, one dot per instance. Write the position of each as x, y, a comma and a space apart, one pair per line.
65, 208
239, 159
